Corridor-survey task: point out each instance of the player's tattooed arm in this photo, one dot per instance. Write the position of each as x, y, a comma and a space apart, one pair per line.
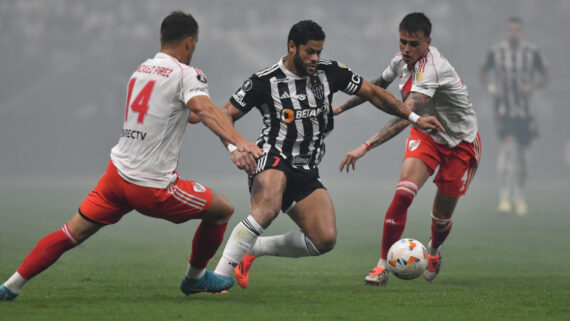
355, 100
390, 129
416, 102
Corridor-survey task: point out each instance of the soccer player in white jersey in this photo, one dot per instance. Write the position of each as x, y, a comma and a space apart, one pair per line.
161, 95
294, 97
512, 70
429, 86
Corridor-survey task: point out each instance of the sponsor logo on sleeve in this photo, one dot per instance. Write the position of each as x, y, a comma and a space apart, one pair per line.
239, 96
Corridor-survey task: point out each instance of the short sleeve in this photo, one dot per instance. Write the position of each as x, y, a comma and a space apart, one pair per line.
251, 94
343, 78
194, 83
391, 72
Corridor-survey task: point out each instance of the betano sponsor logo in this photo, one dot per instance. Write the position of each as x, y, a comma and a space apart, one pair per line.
289, 115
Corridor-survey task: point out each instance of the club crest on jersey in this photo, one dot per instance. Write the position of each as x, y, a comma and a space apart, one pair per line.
198, 188
318, 89
413, 144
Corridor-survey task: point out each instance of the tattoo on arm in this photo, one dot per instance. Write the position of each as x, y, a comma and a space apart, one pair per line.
391, 129
418, 102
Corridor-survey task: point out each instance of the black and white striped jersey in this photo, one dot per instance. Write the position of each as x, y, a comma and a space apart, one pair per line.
514, 68
297, 112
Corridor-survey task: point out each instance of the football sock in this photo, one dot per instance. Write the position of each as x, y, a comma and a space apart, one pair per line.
395, 219
194, 273
46, 252
206, 242
506, 169
440, 229
292, 244
240, 242
15, 283
382, 263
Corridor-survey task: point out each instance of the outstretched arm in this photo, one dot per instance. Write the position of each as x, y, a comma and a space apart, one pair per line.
243, 160
416, 102
385, 101
217, 121
355, 100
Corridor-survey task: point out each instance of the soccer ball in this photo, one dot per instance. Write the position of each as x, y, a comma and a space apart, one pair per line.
407, 259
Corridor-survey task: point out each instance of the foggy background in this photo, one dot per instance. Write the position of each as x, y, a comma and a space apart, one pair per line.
65, 64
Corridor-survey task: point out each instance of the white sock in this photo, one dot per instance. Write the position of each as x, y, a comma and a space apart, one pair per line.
15, 283
292, 244
240, 242
194, 273
382, 263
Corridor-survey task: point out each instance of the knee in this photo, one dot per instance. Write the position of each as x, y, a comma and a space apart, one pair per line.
325, 242
221, 209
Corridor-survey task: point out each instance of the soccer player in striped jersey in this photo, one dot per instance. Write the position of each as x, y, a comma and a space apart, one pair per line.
294, 97
429, 86
161, 95
512, 70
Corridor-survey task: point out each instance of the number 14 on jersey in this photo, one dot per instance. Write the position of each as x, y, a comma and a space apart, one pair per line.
140, 103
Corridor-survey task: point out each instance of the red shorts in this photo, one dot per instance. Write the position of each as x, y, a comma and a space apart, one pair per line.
457, 165
114, 197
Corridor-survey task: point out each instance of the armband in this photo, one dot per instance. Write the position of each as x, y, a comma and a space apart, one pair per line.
232, 148
413, 117
367, 144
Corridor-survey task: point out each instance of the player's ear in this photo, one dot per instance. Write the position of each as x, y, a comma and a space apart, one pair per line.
428, 41
291, 47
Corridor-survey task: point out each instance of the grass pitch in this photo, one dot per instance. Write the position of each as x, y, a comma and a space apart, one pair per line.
495, 267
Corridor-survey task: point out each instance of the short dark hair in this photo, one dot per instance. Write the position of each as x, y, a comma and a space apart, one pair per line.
176, 27
305, 30
416, 21
515, 19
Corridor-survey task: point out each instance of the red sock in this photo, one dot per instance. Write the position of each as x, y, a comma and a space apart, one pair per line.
206, 241
440, 229
46, 252
395, 220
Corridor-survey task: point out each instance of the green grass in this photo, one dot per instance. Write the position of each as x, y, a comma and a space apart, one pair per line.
494, 268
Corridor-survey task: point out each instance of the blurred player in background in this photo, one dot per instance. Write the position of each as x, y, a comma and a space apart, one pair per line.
429, 86
161, 95
294, 97
512, 70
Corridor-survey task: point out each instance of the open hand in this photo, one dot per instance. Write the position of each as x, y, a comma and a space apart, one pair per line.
429, 123
351, 157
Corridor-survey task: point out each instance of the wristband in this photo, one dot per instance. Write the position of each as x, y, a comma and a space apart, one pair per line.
231, 148
413, 117
367, 145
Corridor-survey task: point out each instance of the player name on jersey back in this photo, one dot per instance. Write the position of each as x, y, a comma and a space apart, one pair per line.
155, 120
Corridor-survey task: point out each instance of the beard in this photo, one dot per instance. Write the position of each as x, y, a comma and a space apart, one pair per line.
299, 65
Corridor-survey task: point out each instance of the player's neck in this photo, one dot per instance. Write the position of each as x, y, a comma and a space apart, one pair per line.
176, 53
290, 65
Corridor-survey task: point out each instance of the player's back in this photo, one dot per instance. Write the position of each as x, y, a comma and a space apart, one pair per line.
155, 119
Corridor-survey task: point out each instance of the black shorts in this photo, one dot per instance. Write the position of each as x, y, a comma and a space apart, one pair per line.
300, 183
523, 129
